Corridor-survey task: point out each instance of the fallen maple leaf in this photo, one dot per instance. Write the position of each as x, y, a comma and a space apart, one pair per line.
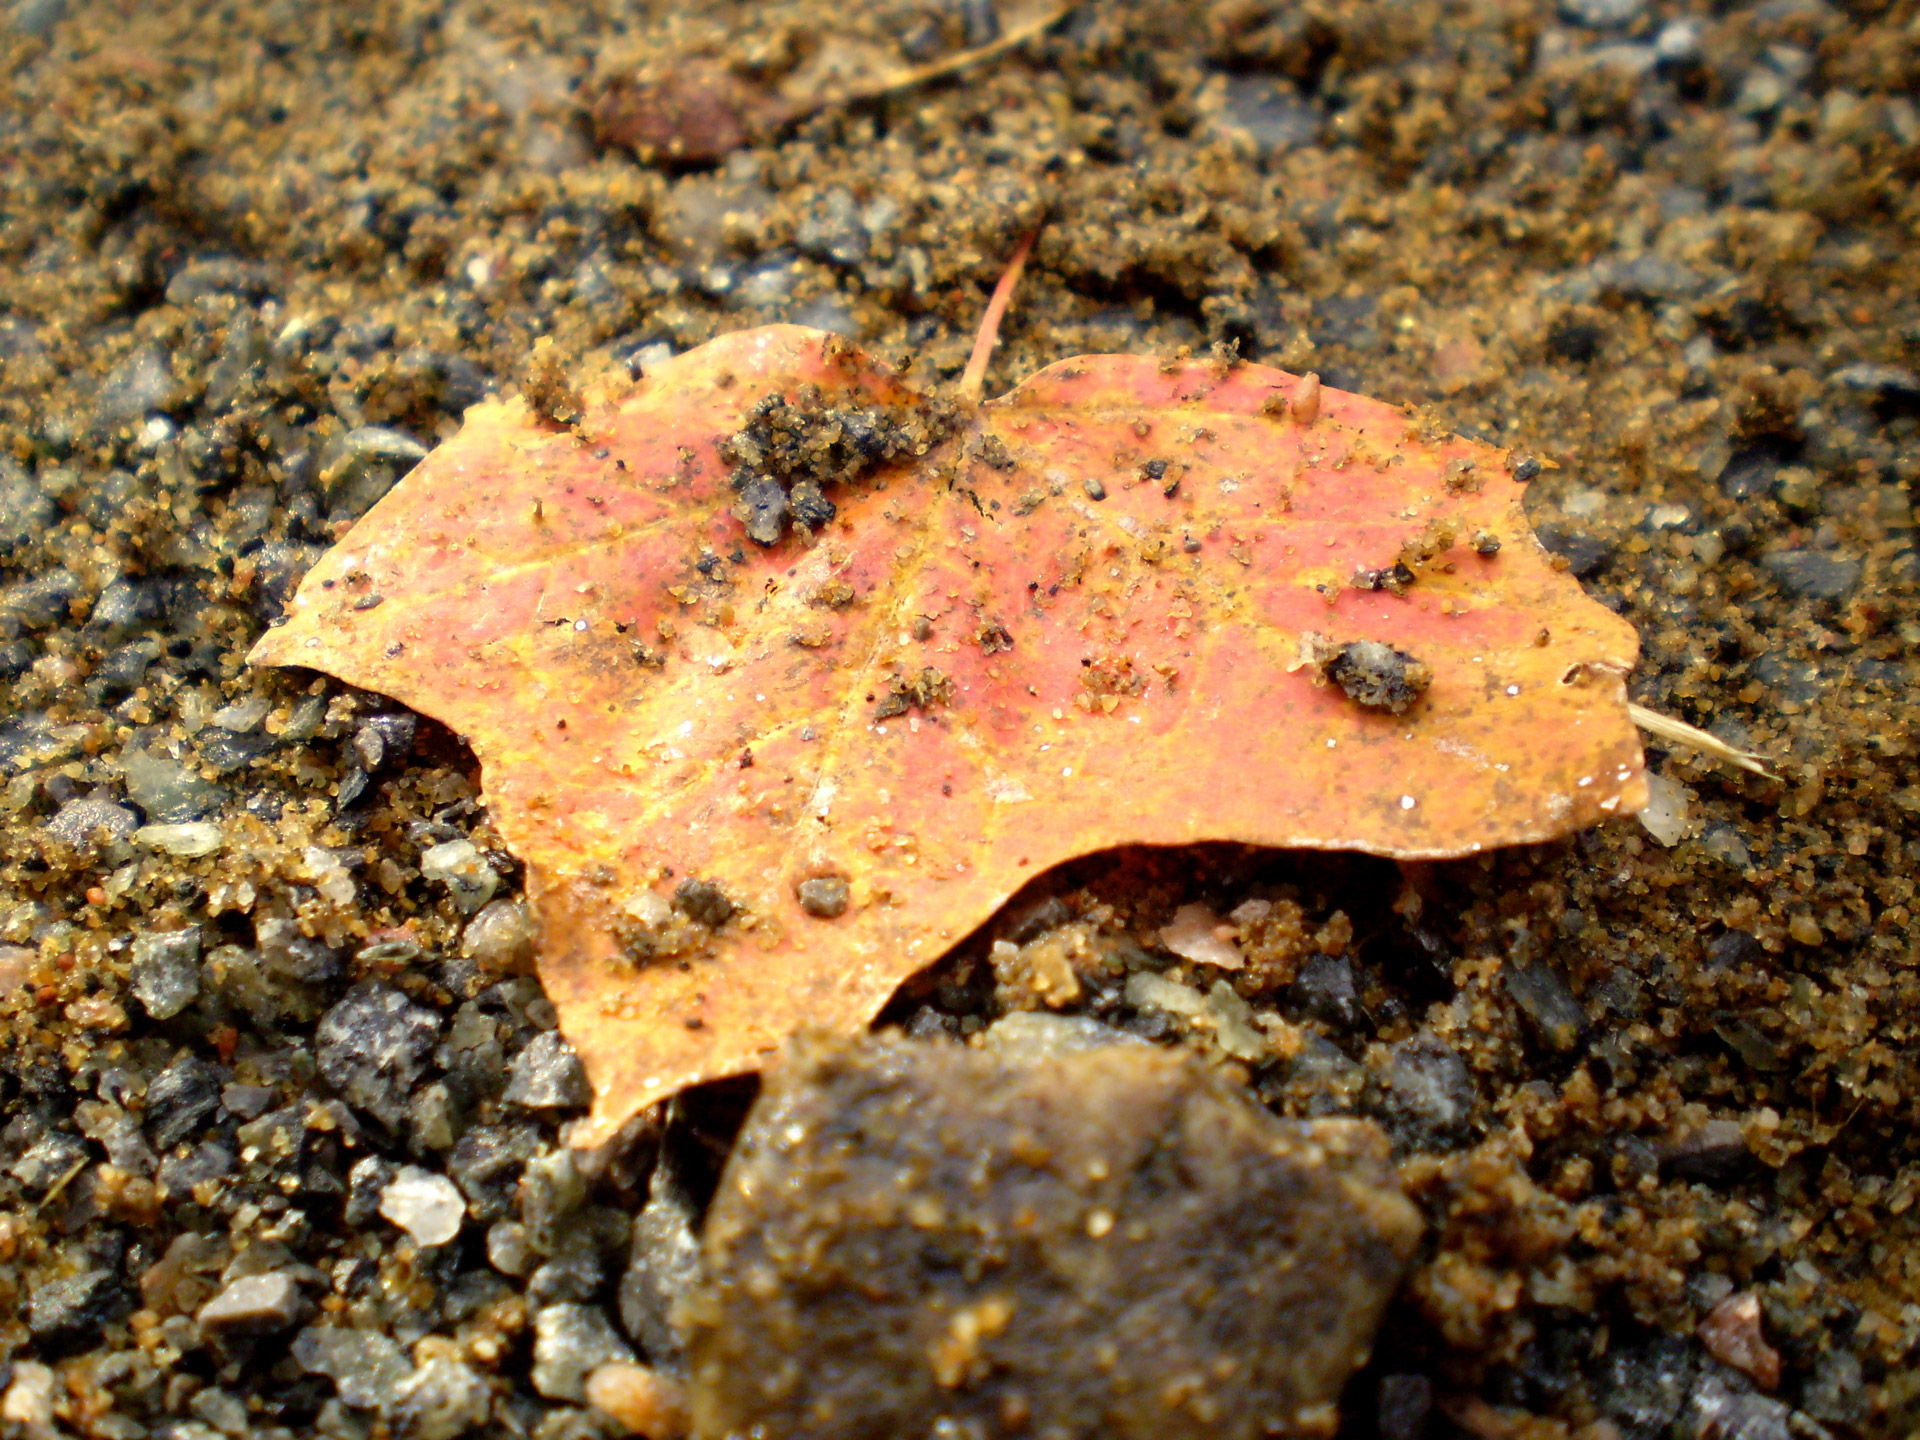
757, 785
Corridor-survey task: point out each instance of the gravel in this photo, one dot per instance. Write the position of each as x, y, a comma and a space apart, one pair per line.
1670, 254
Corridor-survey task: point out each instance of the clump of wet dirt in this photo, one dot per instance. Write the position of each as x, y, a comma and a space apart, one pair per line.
788, 452
1371, 673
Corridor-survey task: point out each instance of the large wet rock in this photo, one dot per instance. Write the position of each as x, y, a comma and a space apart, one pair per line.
916, 1239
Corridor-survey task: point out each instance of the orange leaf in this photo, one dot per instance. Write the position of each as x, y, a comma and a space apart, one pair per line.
1113, 607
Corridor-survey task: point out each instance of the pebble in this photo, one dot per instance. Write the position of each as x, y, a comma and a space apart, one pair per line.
547, 1075
94, 820
253, 1305
1882, 382
165, 971
441, 1400
1271, 116
1717, 1408
463, 870
989, 1230
570, 1341
182, 1098
138, 384
70, 1312
427, 1206
29, 1397
365, 1366
663, 1263
188, 842
168, 791
1601, 14
1424, 1094
1553, 1016
501, 937
642, 1399
832, 229
1733, 1336
1813, 574
373, 1048
1641, 1385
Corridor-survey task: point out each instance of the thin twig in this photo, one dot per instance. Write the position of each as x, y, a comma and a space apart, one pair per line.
1678, 732
920, 75
973, 380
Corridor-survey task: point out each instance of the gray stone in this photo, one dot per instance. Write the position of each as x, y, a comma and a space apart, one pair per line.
48, 1160
25, 511
1882, 382
1424, 1093
569, 1341
1720, 1405
1813, 574
365, 1366
138, 384
663, 1264
181, 1099
92, 820
832, 229
72, 1311
1271, 116
253, 1305
1601, 14
366, 1182
1641, 1386
441, 1400
373, 1048
118, 1133
547, 1075
165, 971
907, 1230
1553, 1015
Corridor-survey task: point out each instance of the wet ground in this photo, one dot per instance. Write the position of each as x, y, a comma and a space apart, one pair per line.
259, 948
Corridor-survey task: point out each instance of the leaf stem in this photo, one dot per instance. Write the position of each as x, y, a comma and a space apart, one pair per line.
1678, 732
973, 380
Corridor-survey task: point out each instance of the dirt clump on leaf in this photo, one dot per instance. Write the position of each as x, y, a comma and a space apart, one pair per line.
789, 451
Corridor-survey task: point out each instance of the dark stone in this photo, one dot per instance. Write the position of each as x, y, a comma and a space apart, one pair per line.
70, 1313
908, 1230
1406, 1405
1325, 989
1577, 341
1715, 1154
1640, 1386
373, 1048
810, 505
181, 1099
1424, 1094
703, 901
382, 740
1586, 555
1553, 1015
1813, 574
206, 1163
486, 1161
366, 1182
1735, 950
